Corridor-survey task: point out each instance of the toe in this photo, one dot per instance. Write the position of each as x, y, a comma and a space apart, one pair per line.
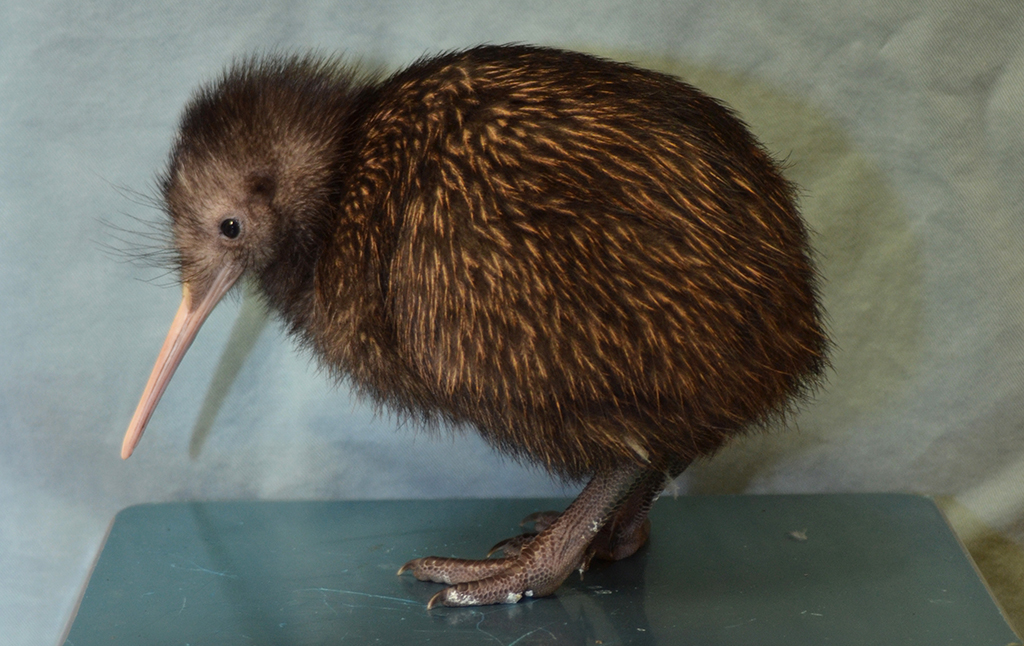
453, 571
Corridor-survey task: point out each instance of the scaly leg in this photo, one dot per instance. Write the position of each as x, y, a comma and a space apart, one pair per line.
629, 528
622, 535
545, 561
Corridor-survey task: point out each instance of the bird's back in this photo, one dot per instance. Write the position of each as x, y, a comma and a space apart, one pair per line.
590, 262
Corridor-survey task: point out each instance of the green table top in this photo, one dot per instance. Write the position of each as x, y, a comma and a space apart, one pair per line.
728, 570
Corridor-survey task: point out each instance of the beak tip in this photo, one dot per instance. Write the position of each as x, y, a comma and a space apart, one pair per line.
183, 330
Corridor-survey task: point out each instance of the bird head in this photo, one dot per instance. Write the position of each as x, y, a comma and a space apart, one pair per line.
248, 191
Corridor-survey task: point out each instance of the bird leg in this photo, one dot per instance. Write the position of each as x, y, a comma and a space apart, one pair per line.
538, 565
629, 528
621, 536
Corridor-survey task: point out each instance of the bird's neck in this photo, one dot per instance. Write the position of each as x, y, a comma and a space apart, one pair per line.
287, 283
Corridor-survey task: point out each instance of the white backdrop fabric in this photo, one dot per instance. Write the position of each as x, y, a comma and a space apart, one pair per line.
902, 122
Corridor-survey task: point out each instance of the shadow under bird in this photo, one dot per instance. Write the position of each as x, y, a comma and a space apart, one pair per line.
596, 266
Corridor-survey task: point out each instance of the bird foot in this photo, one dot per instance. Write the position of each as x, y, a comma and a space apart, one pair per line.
601, 523
520, 572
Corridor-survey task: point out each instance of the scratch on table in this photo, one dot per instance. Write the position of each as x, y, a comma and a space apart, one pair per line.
359, 594
745, 623
479, 629
182, 605
198, 568
483, 616
329, 606
524, 636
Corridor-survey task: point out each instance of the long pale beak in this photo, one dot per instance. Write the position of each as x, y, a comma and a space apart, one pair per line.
183, 331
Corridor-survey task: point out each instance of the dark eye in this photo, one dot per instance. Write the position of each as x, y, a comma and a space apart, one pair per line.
230, 228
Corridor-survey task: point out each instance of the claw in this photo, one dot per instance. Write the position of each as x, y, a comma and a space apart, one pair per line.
436, 599
426, 569
416, 567
408, 566
500, 547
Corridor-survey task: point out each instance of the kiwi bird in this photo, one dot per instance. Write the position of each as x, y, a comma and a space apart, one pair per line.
596, 266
